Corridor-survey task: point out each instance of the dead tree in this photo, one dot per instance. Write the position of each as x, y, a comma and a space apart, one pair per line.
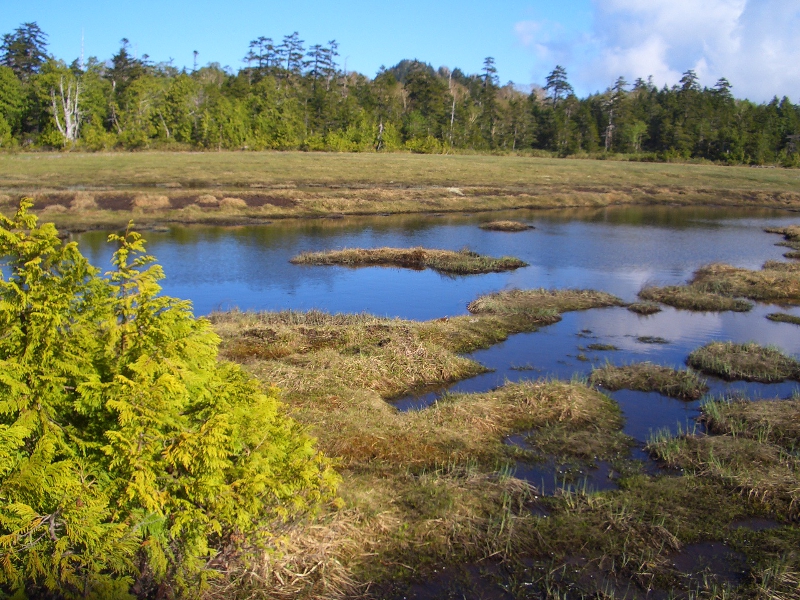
67, 104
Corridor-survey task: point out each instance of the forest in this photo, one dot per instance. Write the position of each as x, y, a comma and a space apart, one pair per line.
291, 96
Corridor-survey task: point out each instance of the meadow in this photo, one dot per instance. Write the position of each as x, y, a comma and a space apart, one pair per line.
105, 189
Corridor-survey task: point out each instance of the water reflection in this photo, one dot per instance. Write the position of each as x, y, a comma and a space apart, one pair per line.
616, 250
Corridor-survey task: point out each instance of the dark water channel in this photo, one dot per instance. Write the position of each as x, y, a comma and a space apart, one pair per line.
614, 250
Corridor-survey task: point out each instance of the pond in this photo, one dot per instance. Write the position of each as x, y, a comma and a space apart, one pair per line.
617, 250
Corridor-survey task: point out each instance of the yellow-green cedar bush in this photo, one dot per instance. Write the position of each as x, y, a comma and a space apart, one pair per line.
129, 455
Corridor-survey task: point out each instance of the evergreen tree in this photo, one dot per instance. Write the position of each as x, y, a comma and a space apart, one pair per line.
24, 50
129, 455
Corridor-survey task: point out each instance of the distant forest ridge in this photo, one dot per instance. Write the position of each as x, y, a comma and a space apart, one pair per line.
289, 95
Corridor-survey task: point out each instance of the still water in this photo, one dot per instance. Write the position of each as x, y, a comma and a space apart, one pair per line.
614, 250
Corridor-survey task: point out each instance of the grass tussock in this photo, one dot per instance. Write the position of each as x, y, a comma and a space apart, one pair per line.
776, 422
83, 201
749, 362
462, 262
753, 450
692, 298
648, 377
790, 233
150, 202
527, 302
776, 282
784, 318
509, 226
644, 308
232, 204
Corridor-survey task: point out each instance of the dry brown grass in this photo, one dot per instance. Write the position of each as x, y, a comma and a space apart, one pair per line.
777, 422
232, 203
525, 302
207, 200
644, 308
647, 377
51, 209
150, 202
749, 362
463, 262
693, 298
509, 226
775, 282
83, 201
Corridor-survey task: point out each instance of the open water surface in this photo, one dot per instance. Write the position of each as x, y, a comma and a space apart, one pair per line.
614, 250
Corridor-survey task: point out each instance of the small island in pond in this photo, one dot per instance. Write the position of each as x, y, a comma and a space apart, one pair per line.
462, 262
510, 226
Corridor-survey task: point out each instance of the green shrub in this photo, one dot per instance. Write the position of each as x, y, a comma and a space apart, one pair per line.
130, 457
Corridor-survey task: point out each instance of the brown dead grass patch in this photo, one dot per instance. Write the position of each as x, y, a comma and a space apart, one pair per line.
510, 226
150, 202
515, 302
83, 201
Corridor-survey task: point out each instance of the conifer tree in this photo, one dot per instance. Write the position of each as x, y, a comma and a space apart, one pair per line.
129, 455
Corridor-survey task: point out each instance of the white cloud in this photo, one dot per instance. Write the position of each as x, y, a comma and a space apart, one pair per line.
753, 43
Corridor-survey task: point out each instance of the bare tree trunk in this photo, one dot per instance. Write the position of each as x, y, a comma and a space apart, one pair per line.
68, 105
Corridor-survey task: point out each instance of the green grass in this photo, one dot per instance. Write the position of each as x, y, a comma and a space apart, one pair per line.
648, 377
463, 262
749, 362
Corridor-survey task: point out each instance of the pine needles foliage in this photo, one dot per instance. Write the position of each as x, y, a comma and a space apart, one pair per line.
132, 461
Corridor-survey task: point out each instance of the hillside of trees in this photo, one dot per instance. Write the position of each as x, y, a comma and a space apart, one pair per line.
289, 95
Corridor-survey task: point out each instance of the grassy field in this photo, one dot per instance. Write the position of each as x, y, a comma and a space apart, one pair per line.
96, 189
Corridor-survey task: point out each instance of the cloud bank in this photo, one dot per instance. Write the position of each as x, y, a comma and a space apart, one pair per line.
755, 44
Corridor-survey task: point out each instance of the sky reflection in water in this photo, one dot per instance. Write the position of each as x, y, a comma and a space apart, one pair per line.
614, 250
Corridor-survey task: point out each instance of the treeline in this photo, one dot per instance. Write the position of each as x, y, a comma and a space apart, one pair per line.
291, 96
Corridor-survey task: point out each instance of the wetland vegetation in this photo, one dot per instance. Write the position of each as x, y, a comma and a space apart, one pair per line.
648, 377
783, 318
747, 361
525, 489
509, 226
463, 262
84, 191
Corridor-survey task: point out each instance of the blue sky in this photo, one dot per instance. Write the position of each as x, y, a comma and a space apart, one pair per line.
754, 43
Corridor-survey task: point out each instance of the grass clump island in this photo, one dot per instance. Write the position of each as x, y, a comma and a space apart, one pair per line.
462, 262
720, 287
784, 318
693, 298
644, 308
749, 362
648, 377
509, 226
